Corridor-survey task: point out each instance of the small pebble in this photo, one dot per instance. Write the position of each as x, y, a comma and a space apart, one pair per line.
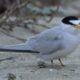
50, 69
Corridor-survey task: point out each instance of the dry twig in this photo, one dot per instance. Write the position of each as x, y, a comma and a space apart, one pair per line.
6, 15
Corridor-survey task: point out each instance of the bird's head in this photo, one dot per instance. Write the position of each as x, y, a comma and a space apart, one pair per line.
72, 20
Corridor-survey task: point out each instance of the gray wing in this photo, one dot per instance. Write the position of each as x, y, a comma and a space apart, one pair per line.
47, 42
46, 47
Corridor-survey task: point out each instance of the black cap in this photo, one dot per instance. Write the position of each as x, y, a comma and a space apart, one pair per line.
67, 19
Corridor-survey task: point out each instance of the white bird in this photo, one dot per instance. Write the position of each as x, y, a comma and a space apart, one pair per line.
54, 43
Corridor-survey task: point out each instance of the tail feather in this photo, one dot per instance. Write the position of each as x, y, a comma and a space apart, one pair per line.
17, 48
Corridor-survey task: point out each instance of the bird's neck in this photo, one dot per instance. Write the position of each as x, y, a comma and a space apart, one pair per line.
70, 29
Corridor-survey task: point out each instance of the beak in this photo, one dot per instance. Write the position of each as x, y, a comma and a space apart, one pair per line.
77, 26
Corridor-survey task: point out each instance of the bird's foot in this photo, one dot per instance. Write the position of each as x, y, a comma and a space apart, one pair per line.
61, 62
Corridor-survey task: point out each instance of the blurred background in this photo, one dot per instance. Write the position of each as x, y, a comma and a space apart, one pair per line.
22, 18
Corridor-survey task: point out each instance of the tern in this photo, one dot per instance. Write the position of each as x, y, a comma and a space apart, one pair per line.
53, 43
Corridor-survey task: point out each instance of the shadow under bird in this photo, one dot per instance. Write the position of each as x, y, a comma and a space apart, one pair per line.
54, 43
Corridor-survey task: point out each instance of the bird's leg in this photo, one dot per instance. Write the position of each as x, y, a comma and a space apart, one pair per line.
61, 62
51, 62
